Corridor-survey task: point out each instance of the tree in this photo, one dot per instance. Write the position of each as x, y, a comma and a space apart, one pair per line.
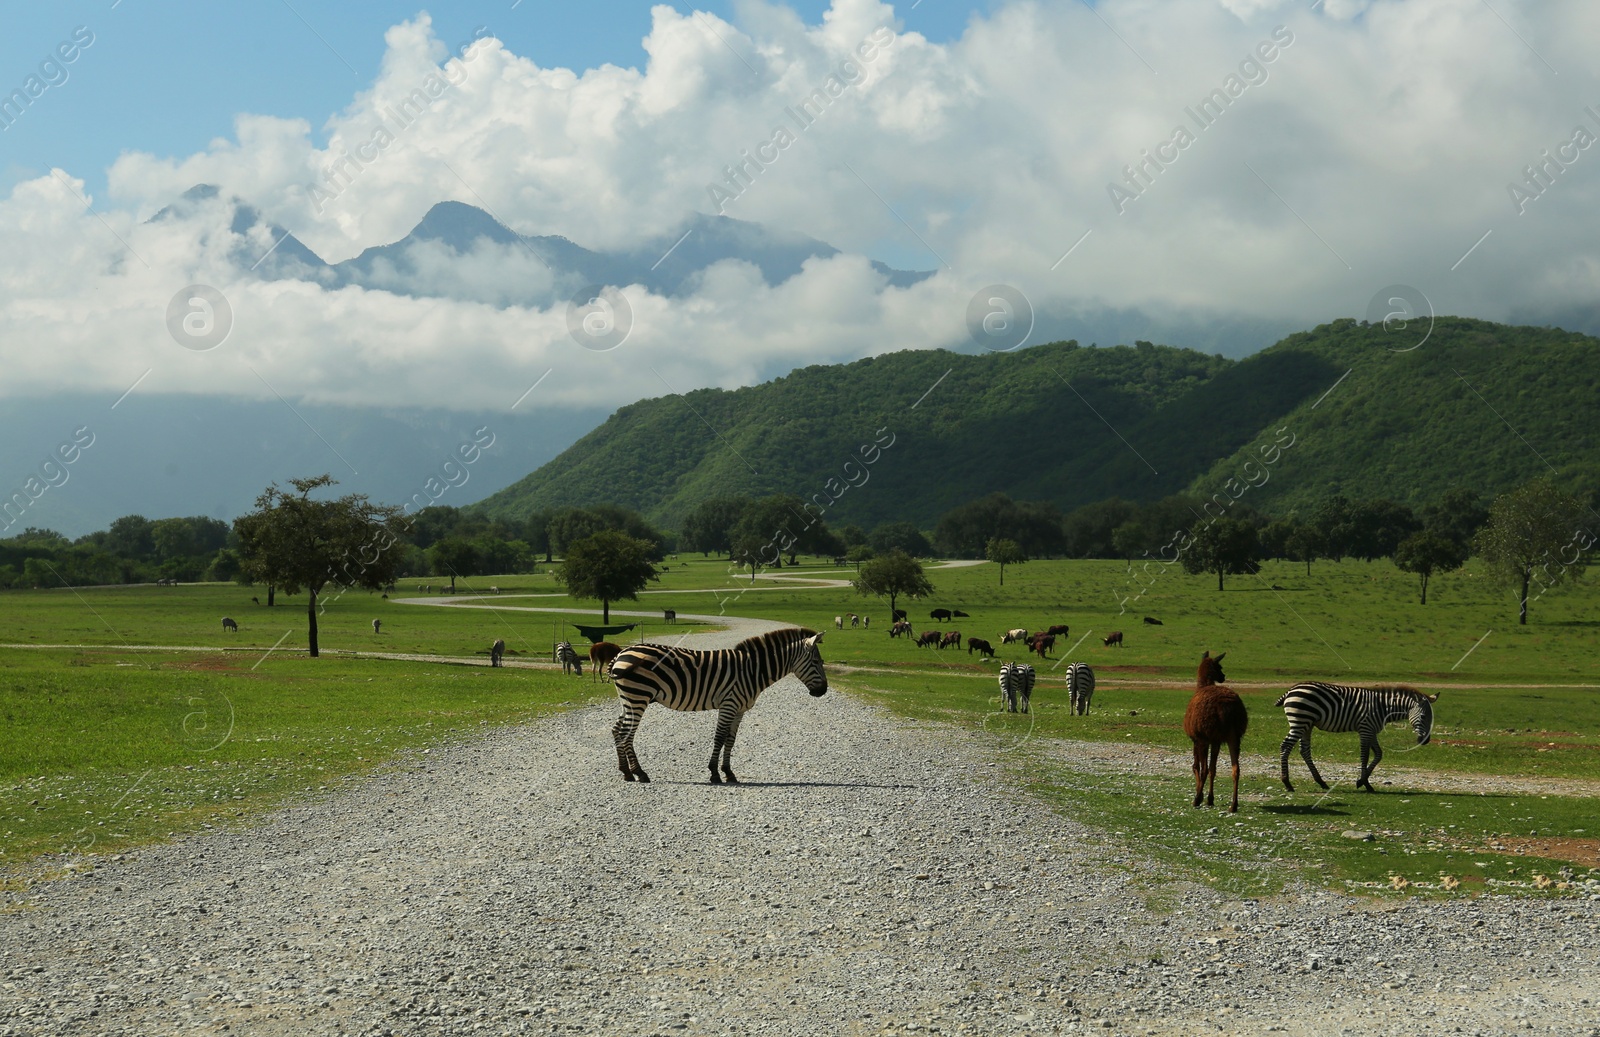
1534, 532
746, 552
900, 536
893, 574
1304, 544
294, 543
1426, 553
610, 566
859, 553
1131, 538
1004, 553
1378, 526
453, 556
1333, 523
1226, 545
1458, 516
709, 527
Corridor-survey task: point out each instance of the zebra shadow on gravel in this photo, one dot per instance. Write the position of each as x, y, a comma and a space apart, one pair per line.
744, 783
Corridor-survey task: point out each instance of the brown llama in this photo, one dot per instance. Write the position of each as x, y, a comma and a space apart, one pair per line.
1215, 715
601, 653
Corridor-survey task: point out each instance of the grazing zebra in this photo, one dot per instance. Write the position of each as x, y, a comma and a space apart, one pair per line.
229, 624
1338, 708
1080, 687
726, 680
1016, 685
568, 658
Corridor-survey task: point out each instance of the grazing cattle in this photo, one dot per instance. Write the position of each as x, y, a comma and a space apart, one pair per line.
1059, 630
952, 637
1153, 621
601, 653
1014, 636
228, 624
1042, 643
896, 615
497, 651
256, 600
866, 621
568, 658
376, 625
669, 615
1080, 687
494, 590
928, 637
1215, 715
958, 614
897, 629
855, 620
981, 645
838, 622
1113, 638
1276, 587
939, 615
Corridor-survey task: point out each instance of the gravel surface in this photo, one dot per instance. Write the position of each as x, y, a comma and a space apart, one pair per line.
871, 875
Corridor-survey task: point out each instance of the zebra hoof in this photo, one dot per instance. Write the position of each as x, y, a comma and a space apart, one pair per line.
627, 775
642, 777
716, 779
731, 779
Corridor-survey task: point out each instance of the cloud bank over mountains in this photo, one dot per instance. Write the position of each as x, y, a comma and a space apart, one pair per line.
1221, 171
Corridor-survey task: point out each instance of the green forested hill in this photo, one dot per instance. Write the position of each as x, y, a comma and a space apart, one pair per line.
1075, 425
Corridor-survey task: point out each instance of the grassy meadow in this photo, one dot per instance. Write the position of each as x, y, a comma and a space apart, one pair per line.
107, 743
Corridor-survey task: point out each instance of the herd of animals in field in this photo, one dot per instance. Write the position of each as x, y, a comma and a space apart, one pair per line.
728, 681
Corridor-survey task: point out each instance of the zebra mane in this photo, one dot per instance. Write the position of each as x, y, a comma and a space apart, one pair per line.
1404, 689
782, 636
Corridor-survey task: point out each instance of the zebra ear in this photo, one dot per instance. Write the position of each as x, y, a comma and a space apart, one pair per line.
815, 639
1432, 698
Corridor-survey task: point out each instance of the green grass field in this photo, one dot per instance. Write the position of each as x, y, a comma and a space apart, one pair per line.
106, 746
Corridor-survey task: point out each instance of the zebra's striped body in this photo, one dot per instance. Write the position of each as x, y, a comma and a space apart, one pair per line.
1016, 686
496, 651
1080, 687
1337, 708
727, 680
569, 659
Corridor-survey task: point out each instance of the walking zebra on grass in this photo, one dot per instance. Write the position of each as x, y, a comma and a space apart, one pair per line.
569, 659
727, 680
496, 651
1016, 685
1080, 687
1337, 708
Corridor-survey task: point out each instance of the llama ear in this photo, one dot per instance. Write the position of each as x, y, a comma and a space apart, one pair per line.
1219, 657
1206, 654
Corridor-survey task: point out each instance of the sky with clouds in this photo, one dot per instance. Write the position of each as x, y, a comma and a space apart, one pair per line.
1242, 163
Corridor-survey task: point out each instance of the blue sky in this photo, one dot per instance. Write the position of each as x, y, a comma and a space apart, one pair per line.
166, 76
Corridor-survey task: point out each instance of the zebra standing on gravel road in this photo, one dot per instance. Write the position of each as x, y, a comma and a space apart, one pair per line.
568, 658
1080, 687
727, 680
1016, 685
1337, 708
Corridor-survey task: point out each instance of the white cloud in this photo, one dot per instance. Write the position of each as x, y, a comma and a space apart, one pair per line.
1374, 148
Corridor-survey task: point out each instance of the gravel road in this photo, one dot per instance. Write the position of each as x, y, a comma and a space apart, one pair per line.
871, 875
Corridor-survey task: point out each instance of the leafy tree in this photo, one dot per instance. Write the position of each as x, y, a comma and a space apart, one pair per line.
1225, 545
709, 527
609, 565
1426, 553
1304, 544
1457, 516
129, 536
747, 551
1086, 532
226, 565
966, 530
294, 543
1534, 532
900, 536
1335, 529
1131, 538
859, 553
893, 574
453, 556
1378, 526
782, 522
853, 536
1004, 553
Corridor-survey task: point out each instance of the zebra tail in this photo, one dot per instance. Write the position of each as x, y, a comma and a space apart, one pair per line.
1283, 698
